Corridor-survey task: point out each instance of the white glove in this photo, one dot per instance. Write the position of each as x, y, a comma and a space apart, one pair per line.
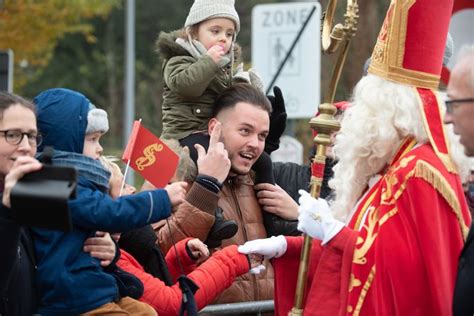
272, 247
315, 218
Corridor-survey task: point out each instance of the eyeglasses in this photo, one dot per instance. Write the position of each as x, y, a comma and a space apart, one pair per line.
450, 103
15, 136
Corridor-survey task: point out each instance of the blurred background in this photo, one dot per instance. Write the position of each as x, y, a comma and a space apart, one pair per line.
80, 44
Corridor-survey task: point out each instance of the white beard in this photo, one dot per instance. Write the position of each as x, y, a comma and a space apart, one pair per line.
381, 115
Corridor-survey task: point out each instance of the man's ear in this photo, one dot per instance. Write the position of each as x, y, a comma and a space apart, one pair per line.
211, 124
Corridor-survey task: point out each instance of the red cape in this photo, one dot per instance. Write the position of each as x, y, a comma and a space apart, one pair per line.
399, 253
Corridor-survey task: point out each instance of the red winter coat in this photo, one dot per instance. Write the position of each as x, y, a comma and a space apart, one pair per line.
213, 276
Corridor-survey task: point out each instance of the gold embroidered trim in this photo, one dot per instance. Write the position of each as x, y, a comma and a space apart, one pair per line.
405, 76
389, 50
431, 175
364, 291
387, 196
445, 157
405, 160
435, 178
359, 253
366, 205
354, 282
387, 216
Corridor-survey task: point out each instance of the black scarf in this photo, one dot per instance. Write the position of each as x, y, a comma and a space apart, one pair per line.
141, 244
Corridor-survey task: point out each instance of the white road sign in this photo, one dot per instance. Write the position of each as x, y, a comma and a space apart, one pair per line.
274, 29
290, 150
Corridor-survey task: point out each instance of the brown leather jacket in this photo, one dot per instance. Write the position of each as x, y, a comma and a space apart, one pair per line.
195, 217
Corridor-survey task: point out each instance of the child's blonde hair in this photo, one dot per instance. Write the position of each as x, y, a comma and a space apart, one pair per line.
109, 163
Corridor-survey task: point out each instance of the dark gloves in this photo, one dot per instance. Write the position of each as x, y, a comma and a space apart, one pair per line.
277, 121
263, 168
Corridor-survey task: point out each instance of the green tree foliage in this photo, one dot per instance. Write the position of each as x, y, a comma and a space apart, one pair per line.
32, 29
90, 56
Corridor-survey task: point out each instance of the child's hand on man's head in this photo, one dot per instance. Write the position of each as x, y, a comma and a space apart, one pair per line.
176, 192
216, 52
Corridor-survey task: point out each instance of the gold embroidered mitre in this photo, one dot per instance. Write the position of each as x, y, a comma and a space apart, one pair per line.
409, 50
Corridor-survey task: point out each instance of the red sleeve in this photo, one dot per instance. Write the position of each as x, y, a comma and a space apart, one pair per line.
286, 274
416, 254
179, 253
166, 300
218, 273
328, 273
212, 277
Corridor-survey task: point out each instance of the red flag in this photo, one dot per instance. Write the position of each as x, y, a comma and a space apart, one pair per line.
150, 157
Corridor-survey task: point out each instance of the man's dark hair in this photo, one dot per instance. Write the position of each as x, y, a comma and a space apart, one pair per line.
241, 92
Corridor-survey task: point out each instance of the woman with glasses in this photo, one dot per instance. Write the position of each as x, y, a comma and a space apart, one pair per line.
17, 273
19, 139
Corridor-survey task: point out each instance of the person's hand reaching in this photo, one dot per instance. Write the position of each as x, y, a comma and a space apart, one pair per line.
176, 192
198, 249
272, 247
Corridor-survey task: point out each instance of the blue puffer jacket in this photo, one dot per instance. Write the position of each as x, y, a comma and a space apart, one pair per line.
70, 281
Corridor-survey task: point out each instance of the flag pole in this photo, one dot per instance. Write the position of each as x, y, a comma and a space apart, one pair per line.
127, 167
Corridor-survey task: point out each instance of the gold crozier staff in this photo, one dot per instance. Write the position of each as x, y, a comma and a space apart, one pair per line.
325, 123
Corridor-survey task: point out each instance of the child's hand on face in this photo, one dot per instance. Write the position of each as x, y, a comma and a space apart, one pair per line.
216, 52
176, 192
198, 249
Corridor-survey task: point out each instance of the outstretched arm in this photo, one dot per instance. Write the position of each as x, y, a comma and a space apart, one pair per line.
212, 277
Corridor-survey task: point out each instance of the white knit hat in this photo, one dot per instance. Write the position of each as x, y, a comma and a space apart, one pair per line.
202, 10
97, 121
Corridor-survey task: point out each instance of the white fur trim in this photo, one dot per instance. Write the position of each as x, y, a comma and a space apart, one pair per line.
97, 121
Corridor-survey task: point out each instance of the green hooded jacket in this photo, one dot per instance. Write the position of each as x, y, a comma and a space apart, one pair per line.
190, 87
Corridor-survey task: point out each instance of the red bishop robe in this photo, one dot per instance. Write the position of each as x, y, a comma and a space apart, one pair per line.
399, 253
